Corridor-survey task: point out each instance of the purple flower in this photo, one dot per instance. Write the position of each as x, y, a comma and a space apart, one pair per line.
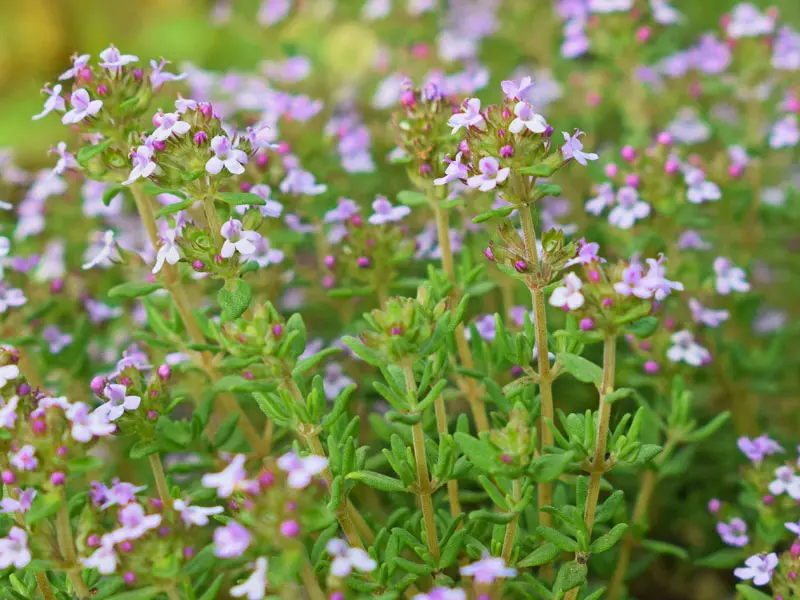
158, 77
53, 102
169, 124
573, 148
758, 567
711, 56
707, 316
237, 239
454, 171
786, 50
386, 213
273, 11
747, 21
299, 182
488, 569
255, 586
729, 277
491, 174
785, 133
232, 478
793, 527
786, 481
118, 402
486, 327
271, 208
121, 493
8, 410
87, 425
345, 208
231, 541
759, 448
335, 381
655, 281
168, 251
79, 63
700, 190
691, 239
733, 533
587, 254
135, 523
664, 13
143, 164
10, 298
196, 515
514, 90
14, 549
442, 593
295, 224
265, 255
301, 470
685, 349
629, 208
226, 155
604, 199
56, 339
65, 161
575, 43
528, 119
688, 128
345, 559
21, 505
104, 251
569, 295
113, 60
24, 459
469, 117
104, 559
82, 106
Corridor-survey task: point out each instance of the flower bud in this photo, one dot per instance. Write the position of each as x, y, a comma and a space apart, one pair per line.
735, 170
356, 221
794, 551
521, 266
608, 302
328, 282
129, 577
126, 546
57, 478
407, 98
507, 151
643, 34
8, 477
363, 262
714, 506
517, 371
188, 552
159, 145
651, 367
198, 265
664, 138
164, 372
200, 138
98, 384
266, 479
61, 451
672, 166
628, 153
152, 415
768, 499
290, 529
93, 541
587, 324
425, 169
594, 276
24, 389
611, 170
277, 330
397, 331
102, 90
632, 180
262, 160
39, 426
489, 254
57, 286
329, 261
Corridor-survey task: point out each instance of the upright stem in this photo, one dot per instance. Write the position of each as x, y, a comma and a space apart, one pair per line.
511, 528
476, 404
310, 582
599, 460
452, 484
311, 436
161, 480
212, 218
423, 477
545, 490
67, 545
182, 303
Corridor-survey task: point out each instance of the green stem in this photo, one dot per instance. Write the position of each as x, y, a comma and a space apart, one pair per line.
545, 490
511, 528
161, 480
67, 545
310, 582
452, 484
423, 477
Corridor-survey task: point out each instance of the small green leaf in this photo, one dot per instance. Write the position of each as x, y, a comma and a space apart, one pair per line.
378, 481
540, 170
709, 428
580, 368
565, 543
607, 540
175, 207
726, 558
112, 192
570, 575
241, 199
237, 383
619, 394
664, 548
502, 212
133, 289
644, 327
139, 594
363, 351
87, 153
411, 198
309, 363
545, 553
213, 589
234, 298
647, 453
749, 593
44, 506
480, 453
84, 464
143, 448
549, 467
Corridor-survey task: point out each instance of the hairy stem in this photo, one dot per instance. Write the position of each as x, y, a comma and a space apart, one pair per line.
545, 490
423, 477
67, 545
161, 480
476, 404
511, 528
183, 305
452, 485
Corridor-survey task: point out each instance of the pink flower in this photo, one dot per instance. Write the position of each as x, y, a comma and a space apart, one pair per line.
346, 559
14, 549
135, 523
113, 60
226, 155
759, 568
79, 63
573, 148
232, 478
104, 559
231, 541
733, 533
455, 170
254, 587
587, 254
386, 213
237, 239
469, 117
759, 448
491, 175
121, 493
629, 208
87, 425
53, 102
196, 515
158, 77
24, 459
488, 569
82, 106
707, 316
528, 119
569, 295
22, 505
300, 183
301, 470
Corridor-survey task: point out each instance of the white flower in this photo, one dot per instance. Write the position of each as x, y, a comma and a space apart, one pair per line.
491, 175
54, 102
386, 213
759, 568
231, 478
196, 515
629, 208
168, 251
346, 558
700, 190
104, 253
747, 21
301, 470
14, 549
226, 155
255, 586
168, 124
687, 350
729, 277
470, 117
82, 106
569, 295
786, 481
113, 60
237, 239
528, 119
8, 373
86, 424
104, 559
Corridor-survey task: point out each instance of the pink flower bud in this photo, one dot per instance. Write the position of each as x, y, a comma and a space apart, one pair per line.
24, 389
669, 322
206, 110
138, 74
548, 131
501, 133
587, 324
277, 330
517, 371
129, 577
505, 458
611, 170
245, 186
93, 541
198, 265
463, 147
363, 262
664, 138
628, 153
61, 451
507, 151
593, 99
8, 477
651, 367
328, 282
57, 286
200, 138
632, 180
57, 478
792, 105
188, 552
672, 166
39, 426
98, 384
594, 276
489, 254
290, 529
159, 145
163, 531
768, 499
102, 90
714, 506
336, 596
265, 480
792, 575
356, 220
262, 160
643, 34
407, 98
695, 89
126, 546
794, 551
608, 302
506, 113
164, 372
284, 148
397, 331
645, 345
152, 415
329, 261
521, 266
735, 170
126, 381
425, 169
218, 258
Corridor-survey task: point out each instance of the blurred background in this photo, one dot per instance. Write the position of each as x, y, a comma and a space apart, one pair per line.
37, 37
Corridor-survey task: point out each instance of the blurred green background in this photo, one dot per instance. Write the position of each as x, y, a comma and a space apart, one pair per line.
37, 37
